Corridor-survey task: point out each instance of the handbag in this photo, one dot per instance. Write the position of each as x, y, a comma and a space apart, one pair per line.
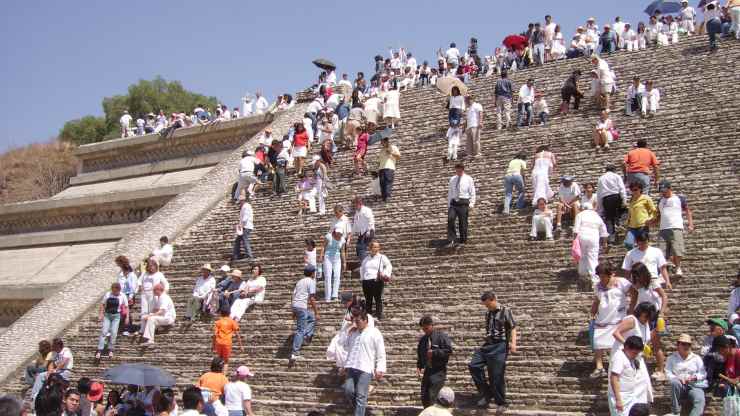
614, 132
382, 277
575, 250
731, 403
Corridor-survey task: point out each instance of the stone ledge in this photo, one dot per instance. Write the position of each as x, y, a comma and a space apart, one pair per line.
148, 169
74, 235
107, 146
83, 291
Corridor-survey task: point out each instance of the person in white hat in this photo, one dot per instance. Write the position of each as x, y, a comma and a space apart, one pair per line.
332, 253
204, 284
589, 228
445, 402
688, 17
238, 394
688, 378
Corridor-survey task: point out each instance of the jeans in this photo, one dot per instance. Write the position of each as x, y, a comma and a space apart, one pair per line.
612, 206
372, 289
332, 276
31, 372
491, 359
431, 383
457, 211
361, 246
386, 182
714, 28
543, 118
423, 79
110, 324
236, 412
242, 240
522, 109
304, 326
511, 182
695, 394
356, 388
640, 177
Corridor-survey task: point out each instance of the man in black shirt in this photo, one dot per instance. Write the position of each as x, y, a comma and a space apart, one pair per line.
432, 355
501, 339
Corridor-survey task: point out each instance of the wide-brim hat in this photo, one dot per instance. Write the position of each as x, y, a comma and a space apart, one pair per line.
207, 266
236, 273
685, 338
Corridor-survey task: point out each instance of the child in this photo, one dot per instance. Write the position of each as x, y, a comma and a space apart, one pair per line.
309, 256
306, 194
223, 331
541, 109
453, 141
652, 98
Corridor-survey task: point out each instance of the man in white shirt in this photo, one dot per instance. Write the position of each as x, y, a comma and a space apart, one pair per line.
365, 359
606, 80
345, 82
611, 195
651, 257
203, 286
460, 198
688, 15
410, 62
569, 195
363, 226
162, 313
247, 177
125, 122
260, 104
618, 28
591, 35
246, 106
238, 394
192, 402
453, 56
685, 371
305, 311
526, 98
244, 229
474, 119
670, 217
635, 97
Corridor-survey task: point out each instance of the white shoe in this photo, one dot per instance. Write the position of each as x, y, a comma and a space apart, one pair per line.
295, 357
126, 333
679, 272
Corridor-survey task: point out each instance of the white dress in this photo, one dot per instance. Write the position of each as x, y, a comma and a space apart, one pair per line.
391, 106
642, 331
541, 180
590, 228
611, 311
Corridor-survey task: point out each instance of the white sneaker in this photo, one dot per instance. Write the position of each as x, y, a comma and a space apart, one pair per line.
295, 357
679, 272
126, 333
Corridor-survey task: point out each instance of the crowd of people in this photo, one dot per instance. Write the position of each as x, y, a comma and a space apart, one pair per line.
628, 315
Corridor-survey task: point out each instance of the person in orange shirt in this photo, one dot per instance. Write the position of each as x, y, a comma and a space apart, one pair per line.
214, 380
638, 164
223, 331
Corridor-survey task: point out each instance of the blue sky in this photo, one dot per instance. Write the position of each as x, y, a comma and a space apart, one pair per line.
62, 58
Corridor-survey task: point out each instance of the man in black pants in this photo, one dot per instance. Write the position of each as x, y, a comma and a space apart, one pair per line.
501, 339
460, 198
432, 355
611, 194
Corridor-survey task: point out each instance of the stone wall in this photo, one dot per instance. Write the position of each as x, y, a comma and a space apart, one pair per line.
86, 288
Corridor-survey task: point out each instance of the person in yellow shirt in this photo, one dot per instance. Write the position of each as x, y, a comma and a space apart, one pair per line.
641, 211
387, 159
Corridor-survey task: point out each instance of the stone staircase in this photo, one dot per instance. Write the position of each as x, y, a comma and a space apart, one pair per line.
695, 137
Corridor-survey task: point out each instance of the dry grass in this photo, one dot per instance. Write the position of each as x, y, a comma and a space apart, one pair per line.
36, 171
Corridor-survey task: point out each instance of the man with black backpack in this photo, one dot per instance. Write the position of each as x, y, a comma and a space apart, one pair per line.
113, 305
501, 337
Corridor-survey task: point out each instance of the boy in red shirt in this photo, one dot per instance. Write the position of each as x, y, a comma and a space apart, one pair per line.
223, 331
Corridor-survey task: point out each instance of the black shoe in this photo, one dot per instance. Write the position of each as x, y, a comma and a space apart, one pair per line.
307, 340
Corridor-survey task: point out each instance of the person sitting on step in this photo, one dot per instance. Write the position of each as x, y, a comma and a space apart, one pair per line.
687, 376
541, 221
569, 195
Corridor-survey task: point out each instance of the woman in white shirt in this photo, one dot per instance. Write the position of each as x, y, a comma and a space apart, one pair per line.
456, 106
558, 44
652, 99
544, 164
252, 292
391, 105
541, 221
375, 272
147, 280
589, 228
644, 291
607, 310
603, 132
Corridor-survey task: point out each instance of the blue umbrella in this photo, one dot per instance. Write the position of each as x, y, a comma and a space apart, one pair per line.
663, 6
139, 375
379, 135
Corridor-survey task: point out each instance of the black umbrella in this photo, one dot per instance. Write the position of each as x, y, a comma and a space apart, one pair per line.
325, 64
139, 375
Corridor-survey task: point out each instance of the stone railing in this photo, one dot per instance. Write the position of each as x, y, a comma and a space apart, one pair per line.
182, 143
86, 288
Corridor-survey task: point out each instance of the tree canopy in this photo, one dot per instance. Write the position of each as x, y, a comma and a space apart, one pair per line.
142, 98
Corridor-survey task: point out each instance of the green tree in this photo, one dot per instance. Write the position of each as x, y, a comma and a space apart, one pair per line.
142, 98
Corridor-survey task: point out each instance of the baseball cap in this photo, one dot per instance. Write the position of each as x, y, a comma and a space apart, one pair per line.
664, 184
243, 371
718, 322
